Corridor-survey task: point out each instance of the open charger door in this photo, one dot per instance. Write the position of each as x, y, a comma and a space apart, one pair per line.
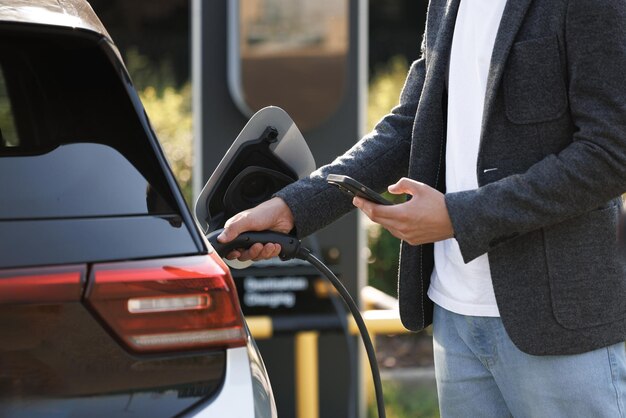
268, 154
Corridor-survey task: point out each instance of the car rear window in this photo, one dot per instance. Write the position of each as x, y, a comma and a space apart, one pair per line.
73, 144
75, 180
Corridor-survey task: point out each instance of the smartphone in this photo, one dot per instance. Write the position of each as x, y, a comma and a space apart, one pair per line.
353, 188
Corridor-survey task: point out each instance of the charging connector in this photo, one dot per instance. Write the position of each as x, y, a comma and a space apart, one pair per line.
289, 245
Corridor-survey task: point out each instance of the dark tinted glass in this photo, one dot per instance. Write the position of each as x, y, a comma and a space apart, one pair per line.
82, 148
74, 180
85, 240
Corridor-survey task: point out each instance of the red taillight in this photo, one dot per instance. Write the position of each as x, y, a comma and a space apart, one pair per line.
168, 304
42, 284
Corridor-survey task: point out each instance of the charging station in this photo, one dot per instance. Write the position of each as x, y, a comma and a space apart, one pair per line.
308, 58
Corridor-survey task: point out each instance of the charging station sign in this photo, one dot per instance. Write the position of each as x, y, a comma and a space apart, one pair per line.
278, 288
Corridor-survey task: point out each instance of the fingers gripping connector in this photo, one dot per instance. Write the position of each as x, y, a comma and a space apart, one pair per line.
290, 245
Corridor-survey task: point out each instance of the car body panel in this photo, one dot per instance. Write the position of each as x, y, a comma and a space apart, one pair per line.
235, 397
246, 391
67, 13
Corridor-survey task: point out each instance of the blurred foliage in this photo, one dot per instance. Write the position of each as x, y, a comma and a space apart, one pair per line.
169, 111
146, 73
170, 115
384, 91
8, 132
408, 401
158, 30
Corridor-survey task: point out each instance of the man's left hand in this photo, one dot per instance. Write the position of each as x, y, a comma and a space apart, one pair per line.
421, 220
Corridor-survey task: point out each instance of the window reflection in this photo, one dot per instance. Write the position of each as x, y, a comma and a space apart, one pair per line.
293, 55
8, 133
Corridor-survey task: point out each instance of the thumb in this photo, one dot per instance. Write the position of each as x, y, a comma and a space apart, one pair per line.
233, 227
404, 185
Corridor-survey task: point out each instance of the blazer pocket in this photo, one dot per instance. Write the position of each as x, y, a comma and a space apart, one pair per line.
534, 86
587, 270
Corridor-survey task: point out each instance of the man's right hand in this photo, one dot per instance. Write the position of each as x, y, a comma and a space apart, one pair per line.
272, 215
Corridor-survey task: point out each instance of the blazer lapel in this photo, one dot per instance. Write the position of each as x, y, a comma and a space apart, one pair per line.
430, 112
514, 13
441, 50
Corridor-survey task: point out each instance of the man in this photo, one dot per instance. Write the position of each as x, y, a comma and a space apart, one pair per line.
511, 132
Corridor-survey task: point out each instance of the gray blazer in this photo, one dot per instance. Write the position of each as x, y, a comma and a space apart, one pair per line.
551, 168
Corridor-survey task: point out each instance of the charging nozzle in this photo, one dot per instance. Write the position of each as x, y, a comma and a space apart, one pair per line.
290, 245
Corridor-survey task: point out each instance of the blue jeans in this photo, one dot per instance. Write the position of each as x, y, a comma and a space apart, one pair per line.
480, 373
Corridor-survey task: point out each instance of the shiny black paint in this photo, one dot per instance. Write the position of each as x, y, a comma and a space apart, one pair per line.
56, 360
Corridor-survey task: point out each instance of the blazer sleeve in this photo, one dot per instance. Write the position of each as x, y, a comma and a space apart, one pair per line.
587, 173
377, 160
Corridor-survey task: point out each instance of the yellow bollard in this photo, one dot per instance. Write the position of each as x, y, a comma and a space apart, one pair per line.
307, 374
261, 327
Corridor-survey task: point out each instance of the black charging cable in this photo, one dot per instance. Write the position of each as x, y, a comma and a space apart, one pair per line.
351, 347
342, 314
291, 248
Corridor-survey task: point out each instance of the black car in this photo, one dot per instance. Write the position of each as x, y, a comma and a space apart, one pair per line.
111, 301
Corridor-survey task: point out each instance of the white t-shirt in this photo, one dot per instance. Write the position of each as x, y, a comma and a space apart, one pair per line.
458, 287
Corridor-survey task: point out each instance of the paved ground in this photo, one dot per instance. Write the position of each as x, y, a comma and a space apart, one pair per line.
414, 375
405, 351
